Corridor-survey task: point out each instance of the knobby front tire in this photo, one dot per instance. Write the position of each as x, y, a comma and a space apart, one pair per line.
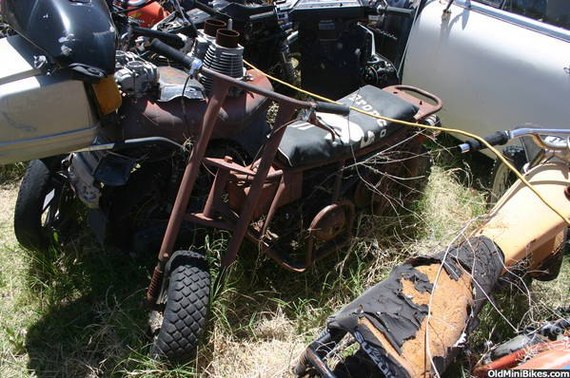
186, 311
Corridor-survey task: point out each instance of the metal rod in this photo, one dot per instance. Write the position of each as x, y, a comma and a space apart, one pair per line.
220, 90
130, 143
520, 132
318, 364
285, 113
216, 192
254, 89
273, 208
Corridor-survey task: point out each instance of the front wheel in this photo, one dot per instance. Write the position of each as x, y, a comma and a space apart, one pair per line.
42, 207
186, 310
502, 177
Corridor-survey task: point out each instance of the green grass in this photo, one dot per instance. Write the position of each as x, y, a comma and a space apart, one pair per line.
80, 312
11, 172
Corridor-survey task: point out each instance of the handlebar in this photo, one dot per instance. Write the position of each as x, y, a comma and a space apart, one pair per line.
195, 65
396, 11
502, 137
169, 38
207, 9
495, 139
329, 107
171, 53
263, 16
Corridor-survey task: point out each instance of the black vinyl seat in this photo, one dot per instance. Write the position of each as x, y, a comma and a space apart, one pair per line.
306, 144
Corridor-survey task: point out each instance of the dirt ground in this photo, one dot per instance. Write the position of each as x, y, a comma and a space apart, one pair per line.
8, 194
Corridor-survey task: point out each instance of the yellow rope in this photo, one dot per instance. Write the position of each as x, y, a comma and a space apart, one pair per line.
427, 127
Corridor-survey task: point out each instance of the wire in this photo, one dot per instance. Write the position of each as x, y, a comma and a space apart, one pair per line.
427, 127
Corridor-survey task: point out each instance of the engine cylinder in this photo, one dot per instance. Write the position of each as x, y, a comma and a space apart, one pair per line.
206, 37
225, 55
212, 26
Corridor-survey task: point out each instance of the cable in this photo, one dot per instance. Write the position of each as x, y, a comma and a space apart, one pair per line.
427, 127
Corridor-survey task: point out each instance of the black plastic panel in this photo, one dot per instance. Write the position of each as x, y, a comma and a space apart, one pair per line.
76, 33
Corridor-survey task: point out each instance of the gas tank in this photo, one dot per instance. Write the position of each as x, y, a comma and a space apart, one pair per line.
40, 115
242, 119
79, 34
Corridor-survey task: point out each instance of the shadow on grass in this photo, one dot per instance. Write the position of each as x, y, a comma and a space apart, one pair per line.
92, 311
94, 322
257, 287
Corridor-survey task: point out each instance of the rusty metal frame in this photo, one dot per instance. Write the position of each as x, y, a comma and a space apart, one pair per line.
218, 214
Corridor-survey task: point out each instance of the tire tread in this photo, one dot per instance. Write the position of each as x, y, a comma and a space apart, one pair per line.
186, 311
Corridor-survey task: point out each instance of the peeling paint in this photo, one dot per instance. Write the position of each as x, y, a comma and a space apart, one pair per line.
393, 316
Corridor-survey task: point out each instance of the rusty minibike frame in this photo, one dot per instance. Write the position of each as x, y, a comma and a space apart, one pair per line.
259, 188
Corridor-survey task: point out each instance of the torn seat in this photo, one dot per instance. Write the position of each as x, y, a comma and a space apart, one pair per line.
306, 144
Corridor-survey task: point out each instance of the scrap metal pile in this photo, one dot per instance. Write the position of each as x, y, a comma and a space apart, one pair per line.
159, 120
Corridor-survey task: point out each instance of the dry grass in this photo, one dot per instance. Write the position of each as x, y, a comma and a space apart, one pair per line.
269, 352
83, 314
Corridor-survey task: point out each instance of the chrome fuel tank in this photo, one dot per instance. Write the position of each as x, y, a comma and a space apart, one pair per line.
40, 115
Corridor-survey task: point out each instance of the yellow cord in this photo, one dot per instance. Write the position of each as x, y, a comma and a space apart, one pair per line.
427, 127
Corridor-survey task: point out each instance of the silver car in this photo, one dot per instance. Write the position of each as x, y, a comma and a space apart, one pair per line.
494, 63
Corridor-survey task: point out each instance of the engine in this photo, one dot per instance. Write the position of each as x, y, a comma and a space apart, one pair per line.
163, 101
134, 75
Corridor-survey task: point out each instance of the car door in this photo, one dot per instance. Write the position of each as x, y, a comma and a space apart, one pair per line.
493, 68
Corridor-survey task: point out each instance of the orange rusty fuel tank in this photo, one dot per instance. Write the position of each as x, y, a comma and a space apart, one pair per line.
149, 14
549, 359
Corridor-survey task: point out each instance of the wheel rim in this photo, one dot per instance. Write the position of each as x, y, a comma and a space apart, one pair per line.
503, 180
49, 212
55, 211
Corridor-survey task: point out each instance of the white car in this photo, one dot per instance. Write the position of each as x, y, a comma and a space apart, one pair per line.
494, 63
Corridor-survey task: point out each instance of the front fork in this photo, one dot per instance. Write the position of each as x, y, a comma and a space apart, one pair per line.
220, 91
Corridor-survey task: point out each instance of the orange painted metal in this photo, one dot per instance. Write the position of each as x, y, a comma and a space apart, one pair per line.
549, 359
149, 15
526, 230
546, 355
522, 225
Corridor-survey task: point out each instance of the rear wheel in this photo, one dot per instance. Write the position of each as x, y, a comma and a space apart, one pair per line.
395, 181
186, 309
43, 207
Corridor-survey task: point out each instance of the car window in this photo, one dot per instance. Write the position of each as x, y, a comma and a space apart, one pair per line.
493, 3
558, 13
553, 12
